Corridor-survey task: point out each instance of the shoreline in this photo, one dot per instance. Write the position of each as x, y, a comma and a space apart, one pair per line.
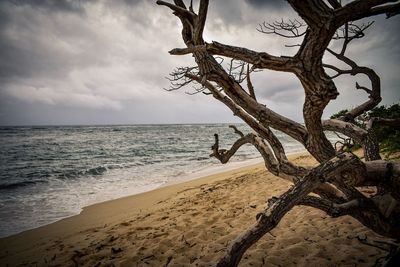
180, 182
193, 222
204, 172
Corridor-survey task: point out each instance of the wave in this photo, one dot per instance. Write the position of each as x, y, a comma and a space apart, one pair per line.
96, 171
20, 184
71, 174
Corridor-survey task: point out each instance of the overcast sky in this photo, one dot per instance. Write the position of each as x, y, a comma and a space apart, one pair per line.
105, 62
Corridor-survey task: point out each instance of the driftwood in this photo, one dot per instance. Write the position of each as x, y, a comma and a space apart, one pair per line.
339, 175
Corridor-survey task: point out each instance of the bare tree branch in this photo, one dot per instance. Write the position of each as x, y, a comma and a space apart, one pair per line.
334, 3
237, 131
235, 91
179, 9
291, 27
359, 9
198, 31
180, 3
311, 11
260, 60
250, 84
389, 10
374, 92
334, 209
265, 132
338, 71
368, 91
224, 155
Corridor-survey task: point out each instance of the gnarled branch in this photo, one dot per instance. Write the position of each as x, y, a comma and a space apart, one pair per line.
259, 60
270, 217
365, 8
374, 92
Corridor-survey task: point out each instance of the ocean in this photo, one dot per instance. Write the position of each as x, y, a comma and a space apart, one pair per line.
51, 172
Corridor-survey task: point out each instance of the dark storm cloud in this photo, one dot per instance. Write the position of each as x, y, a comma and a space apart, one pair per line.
52, 5
236, 16
28, 44
104, 61
15, 62
132, 2
277, 5
53, 37
23, 57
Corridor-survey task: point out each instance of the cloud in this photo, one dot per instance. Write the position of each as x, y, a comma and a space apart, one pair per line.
94, 60
105, 61
51, 5
274, 5
54, 97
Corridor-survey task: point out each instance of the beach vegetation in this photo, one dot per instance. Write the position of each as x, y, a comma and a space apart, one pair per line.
387, 134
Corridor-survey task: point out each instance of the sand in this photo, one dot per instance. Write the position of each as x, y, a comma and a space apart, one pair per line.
191, 224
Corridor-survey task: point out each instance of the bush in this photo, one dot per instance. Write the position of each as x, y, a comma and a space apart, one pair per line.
388, 136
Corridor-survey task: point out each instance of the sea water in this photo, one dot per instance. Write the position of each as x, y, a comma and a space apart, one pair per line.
49, 173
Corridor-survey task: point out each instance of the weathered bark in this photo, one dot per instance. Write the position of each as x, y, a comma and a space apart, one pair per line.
336, 178
383, 173
275, 160
265, 116
365, 137
362, 9
371, 146
282, 168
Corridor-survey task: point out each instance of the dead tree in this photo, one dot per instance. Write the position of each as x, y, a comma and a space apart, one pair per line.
339, 175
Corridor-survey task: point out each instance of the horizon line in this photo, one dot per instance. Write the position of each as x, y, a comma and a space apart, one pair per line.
116, 124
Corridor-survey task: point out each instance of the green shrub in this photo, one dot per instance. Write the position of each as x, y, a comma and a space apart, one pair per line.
388, 136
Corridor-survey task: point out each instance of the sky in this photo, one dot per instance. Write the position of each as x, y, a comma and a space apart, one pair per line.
104, 62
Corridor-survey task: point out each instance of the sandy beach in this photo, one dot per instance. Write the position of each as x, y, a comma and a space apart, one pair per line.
191, 224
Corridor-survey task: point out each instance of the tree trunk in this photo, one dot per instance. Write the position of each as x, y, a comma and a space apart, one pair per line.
371, 146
